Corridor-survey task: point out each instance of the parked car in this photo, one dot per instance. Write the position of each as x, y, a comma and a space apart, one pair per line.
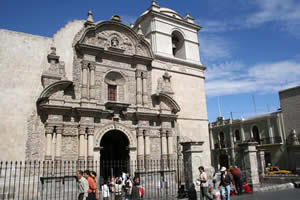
276, 170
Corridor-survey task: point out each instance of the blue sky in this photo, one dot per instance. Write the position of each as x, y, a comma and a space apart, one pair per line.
250, 48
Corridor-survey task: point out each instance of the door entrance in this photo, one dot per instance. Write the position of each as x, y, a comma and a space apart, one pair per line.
114, 154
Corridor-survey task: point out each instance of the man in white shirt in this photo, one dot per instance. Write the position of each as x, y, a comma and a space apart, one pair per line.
203, 184
83, 186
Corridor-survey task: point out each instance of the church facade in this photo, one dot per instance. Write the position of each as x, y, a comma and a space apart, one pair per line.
104, 90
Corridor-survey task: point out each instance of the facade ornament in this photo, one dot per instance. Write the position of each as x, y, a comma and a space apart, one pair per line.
164, 84
90, 20
114, 42
139, 30
90, 16
293, 138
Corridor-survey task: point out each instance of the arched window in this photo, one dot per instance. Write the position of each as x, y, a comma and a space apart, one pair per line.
178, 47
237, 135
255, 133
115, 86
222, 139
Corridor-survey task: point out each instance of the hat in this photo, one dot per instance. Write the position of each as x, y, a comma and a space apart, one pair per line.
223, 169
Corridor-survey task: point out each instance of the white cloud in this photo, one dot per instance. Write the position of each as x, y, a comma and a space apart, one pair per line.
261, 78
212, 26
284, 14
213, 47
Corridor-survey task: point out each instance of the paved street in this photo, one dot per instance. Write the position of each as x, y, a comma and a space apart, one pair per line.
293, 194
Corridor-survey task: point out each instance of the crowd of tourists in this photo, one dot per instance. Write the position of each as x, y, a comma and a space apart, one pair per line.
118, 187
225, 183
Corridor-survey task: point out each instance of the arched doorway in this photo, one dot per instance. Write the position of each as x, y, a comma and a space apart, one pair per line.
114, 154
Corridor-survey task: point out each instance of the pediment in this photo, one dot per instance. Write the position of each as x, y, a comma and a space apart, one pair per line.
115, 37
167, 103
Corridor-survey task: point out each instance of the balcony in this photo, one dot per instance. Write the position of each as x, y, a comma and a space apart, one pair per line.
271, 140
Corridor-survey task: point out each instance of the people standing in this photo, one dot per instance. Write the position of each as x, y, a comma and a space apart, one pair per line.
83, 186
105, 191
92, 185
128, 188
93, 174
226, 180
118, 189
136, 189
203, 184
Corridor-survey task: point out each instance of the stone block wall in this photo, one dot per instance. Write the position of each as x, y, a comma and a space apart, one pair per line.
290, 105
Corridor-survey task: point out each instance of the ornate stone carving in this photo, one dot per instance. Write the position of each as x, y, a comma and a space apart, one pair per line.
111, 39
293, 138
164, 84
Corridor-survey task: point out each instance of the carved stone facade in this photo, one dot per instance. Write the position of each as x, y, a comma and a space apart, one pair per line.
111, 78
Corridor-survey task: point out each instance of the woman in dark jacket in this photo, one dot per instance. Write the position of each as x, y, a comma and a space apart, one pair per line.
136, 189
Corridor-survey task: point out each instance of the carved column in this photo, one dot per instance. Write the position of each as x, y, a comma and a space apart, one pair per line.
82, 132
171, 154
164, 145
270, 131
140, 139
59, 131
92, 82
84, 91
90, 149
49, 133
138, 88
242, 133
232, 156
145, 91
147, 144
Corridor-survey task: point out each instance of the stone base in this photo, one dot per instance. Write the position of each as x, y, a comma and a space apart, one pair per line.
48, 157
57, 158
81, 158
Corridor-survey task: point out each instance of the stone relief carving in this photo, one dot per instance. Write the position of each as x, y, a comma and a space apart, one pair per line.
293, 138
164, 84
110, 39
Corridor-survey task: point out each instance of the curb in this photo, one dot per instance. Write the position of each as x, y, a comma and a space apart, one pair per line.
277, 187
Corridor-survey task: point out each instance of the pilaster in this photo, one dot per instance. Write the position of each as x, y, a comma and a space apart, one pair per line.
84, 91
92, 81
49, 133
139, 98
59, 132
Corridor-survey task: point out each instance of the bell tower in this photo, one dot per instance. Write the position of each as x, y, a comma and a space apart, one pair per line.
170, 34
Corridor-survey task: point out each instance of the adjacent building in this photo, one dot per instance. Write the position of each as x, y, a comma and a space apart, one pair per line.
290, 105
266, 130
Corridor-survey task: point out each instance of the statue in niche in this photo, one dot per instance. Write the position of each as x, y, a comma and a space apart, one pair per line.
293, 139
114, 42
164, 84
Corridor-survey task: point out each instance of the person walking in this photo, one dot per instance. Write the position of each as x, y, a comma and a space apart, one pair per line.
93, 174
226, 180
105, 191
92, 185
203, 184
236, 173
135, 195
83, 186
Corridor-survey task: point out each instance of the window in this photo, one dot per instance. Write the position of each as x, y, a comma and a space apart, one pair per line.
222, 140
112, 92
237, 135
256, 136
178, 47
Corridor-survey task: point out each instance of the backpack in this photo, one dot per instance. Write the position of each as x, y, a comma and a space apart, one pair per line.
142, 192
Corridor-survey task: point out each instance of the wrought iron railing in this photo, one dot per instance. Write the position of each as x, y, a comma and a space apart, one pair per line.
56, 180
